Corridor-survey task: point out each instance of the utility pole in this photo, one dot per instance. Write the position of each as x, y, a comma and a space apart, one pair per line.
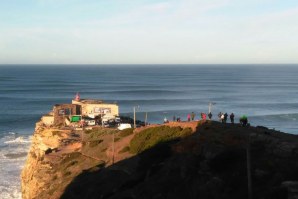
134, 116
249, 183
210, 106
113, 148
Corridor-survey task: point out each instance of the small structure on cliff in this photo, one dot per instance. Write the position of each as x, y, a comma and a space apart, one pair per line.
93, 107
62, 114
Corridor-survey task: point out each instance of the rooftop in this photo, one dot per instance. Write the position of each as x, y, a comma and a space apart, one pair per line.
90, 101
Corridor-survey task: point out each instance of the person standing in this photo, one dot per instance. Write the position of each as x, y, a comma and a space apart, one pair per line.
193, 116
219, 116
243, 120
188, 117
210, 115
165, 120
204, 116
222, 118
178, 119
232, 116
174, 118
225, 117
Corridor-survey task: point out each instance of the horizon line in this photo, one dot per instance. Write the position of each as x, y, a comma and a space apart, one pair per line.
143, 64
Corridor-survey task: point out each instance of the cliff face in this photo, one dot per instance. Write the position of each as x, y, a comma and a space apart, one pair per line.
57, 155
38, 172
210, 162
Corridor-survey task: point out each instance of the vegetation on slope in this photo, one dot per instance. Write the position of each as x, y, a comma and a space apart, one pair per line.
153, 136
210, 163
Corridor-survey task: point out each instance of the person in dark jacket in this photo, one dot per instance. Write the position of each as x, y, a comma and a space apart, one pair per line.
232, 116
225, 117
210, 115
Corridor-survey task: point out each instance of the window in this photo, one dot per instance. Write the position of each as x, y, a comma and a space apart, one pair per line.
67, 111
102, 110
61, 112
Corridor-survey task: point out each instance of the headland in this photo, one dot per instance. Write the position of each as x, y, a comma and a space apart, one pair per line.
197, 159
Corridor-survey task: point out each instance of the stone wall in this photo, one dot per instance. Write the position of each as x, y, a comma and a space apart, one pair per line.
48, 120
61, 111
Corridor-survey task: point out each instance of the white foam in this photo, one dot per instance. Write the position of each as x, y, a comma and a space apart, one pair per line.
18, 140
11, 164
11, 192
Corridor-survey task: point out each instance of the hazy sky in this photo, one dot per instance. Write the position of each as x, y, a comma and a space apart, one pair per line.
148, 31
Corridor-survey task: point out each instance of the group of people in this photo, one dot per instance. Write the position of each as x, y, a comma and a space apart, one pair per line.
176, 119
191, 117
223, 117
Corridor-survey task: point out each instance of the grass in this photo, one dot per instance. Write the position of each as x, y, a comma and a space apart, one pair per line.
153, 136
72, 163
124, 149
99, 132
94, 143
88, 131
68, 173
126, 132
70, 157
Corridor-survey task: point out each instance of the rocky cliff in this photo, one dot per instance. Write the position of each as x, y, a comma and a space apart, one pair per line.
209, 161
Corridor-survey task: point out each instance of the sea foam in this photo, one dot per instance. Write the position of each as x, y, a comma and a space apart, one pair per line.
13, 152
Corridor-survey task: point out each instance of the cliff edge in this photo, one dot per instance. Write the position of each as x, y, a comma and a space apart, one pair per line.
177, 160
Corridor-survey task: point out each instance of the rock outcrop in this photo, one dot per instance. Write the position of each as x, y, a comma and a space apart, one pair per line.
38, 172
211, 162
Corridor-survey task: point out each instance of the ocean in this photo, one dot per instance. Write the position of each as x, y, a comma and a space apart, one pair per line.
267, 94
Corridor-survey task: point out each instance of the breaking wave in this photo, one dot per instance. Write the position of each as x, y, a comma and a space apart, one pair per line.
13, 151
18, 140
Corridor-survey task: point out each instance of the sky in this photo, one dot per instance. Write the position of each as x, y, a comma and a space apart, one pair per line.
148, 31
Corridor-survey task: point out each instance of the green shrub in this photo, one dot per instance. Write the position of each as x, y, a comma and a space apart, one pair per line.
152, 136
33, 155
72, 163
186, 132
125, 149
88, 131
126, 132
68, 173
94, 143
99, 132
58, 133
71, 156
55, 177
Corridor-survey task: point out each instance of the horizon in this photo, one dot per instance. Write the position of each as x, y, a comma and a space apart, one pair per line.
143, 32
147, 66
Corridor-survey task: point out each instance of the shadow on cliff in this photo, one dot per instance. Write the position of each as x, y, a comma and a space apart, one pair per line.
208, 164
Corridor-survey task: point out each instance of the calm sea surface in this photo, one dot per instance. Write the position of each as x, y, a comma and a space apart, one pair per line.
267, 94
